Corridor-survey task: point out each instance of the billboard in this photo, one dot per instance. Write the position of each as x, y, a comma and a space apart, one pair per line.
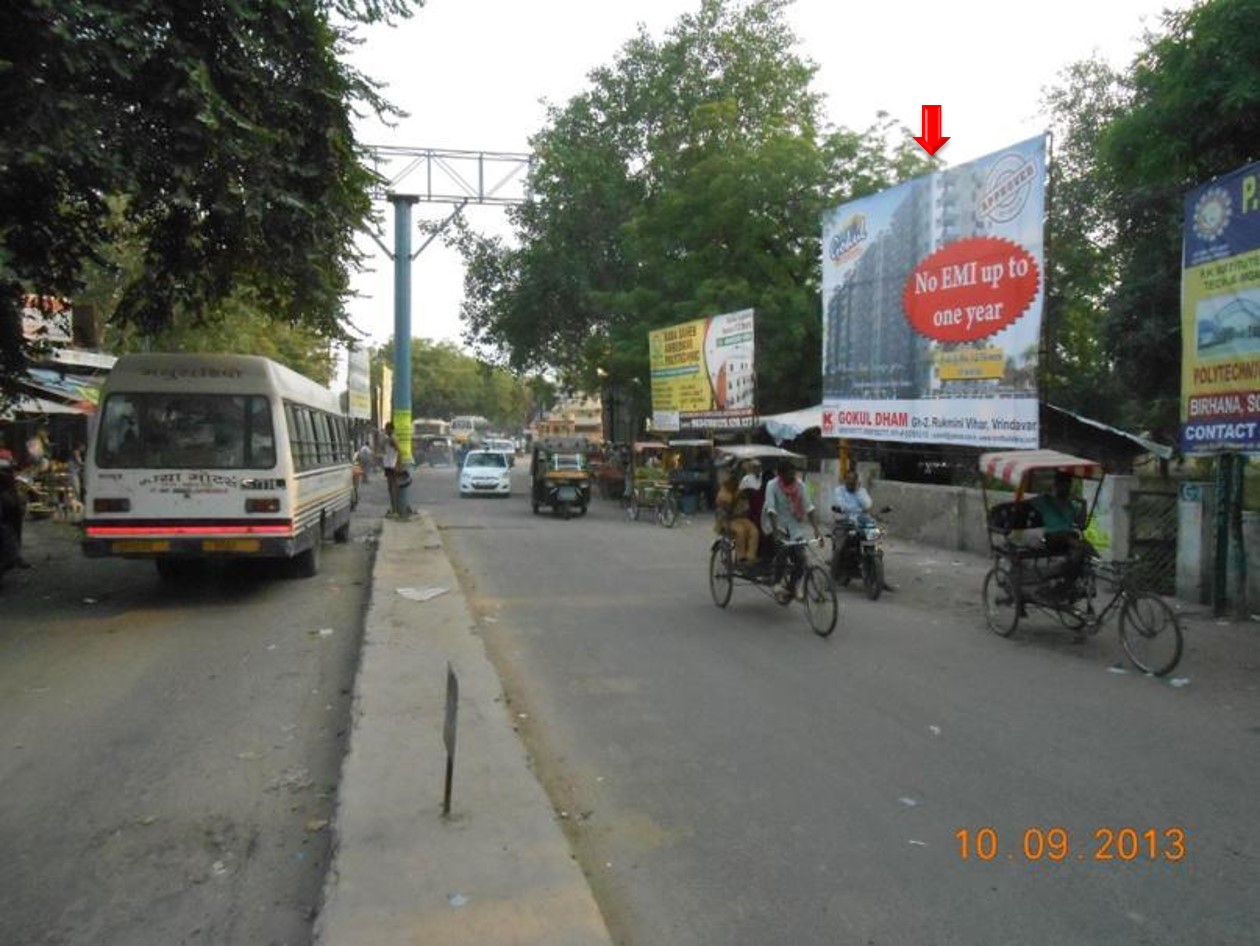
1220, 316
358, 384
702, 373
932, 298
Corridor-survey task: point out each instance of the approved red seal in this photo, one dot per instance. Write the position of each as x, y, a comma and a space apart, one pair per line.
970, 289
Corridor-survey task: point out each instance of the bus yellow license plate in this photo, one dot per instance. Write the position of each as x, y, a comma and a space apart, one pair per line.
129, 546
231, 545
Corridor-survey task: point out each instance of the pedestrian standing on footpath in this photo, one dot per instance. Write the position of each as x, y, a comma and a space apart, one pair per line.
391, 461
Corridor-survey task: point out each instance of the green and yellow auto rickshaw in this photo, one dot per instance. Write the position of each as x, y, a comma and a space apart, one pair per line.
560, 476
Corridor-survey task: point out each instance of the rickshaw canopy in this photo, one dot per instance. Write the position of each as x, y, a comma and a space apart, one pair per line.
1013, 466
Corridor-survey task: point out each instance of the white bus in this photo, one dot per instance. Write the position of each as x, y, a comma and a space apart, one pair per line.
215, 456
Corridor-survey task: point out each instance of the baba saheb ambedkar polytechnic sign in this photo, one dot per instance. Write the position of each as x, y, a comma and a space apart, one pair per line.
702, 373
932, 297
1220, 316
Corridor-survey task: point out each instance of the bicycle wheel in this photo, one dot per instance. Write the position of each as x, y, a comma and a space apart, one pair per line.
821, 606
873, 576
1150, 633
1001, 602
667, 511
721, 579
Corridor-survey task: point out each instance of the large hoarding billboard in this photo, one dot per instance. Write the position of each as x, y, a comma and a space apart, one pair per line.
1220, 316
702, 373
932, 298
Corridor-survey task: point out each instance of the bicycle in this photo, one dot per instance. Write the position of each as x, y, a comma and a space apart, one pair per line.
1149, 630
815, 589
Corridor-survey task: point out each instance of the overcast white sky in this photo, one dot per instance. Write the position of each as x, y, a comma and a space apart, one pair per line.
475, 74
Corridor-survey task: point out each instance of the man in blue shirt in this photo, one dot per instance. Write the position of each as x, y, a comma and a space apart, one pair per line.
1061, 531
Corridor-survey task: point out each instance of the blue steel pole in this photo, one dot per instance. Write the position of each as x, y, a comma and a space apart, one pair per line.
401, 411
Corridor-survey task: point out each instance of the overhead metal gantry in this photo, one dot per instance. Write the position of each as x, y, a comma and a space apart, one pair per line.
437, 176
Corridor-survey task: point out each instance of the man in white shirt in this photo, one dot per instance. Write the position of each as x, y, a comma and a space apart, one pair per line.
788, 509
850, 498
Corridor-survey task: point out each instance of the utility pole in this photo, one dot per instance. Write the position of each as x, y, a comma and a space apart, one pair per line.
452, 177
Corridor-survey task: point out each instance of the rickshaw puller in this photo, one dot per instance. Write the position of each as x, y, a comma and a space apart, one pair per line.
788, 509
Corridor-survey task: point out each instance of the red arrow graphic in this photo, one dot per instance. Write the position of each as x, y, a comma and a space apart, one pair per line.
931, 139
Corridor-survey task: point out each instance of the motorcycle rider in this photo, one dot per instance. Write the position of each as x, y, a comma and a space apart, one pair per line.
850, 501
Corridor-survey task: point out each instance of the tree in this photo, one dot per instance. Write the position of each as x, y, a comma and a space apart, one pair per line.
1193, 113
446, 382
688, 180
217, 136
1077, 371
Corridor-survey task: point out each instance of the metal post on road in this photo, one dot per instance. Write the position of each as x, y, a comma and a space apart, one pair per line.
401, 413
449, 726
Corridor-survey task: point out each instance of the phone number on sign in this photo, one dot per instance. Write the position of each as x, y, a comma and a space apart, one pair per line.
1056, 844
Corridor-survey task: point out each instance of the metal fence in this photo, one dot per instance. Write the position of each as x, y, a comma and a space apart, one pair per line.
1153, 539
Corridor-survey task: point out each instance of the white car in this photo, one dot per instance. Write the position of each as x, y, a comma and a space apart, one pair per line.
485, 473
506, 447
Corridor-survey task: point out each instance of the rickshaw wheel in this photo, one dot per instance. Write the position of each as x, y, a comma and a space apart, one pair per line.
1001, 602
821, 606
1150, 633
721, 577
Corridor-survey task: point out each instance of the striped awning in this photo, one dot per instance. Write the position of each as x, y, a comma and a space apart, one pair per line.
1012, 466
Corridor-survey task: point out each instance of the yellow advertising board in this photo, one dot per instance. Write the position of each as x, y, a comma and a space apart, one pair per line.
702, 372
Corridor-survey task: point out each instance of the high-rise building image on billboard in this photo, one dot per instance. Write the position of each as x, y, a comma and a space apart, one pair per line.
932, 297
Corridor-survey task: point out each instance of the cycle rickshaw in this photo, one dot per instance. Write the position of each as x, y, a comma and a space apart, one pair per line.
1031, 572
649, 486
816, 591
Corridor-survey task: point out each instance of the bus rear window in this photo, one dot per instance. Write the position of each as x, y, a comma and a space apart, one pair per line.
186, 431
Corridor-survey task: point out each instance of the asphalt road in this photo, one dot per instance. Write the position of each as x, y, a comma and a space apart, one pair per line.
729, 778
169, 756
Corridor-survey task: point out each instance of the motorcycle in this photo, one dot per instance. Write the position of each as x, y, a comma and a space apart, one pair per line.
857, 551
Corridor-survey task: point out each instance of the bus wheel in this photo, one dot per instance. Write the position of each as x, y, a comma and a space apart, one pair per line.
341, 535
307, 563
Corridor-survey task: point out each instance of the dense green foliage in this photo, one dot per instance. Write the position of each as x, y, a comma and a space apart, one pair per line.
216, 138
1131, 146
447, 382
688, 180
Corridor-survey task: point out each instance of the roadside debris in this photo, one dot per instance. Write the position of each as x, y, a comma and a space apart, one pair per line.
422, 594
1179, 682
909, 802
293, 780
457, 900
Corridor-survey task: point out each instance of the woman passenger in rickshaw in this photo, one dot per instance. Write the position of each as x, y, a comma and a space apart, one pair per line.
734, 513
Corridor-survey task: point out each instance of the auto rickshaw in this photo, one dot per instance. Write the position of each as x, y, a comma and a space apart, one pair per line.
560, 476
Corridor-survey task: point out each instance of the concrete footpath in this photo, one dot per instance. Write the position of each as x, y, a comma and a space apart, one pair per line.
499, 869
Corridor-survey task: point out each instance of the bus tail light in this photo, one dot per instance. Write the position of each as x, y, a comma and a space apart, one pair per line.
111, 505
266, 504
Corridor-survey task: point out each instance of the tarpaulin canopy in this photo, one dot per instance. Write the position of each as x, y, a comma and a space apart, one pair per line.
1011, 466
792, 424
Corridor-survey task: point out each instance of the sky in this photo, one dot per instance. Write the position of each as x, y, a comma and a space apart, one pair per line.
477, 75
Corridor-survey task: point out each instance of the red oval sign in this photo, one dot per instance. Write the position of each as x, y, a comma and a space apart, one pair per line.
970, 289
